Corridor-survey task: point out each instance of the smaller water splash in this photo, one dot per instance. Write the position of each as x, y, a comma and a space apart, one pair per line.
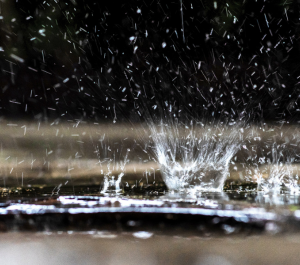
112, 159
279, 175
112, 185
193, 158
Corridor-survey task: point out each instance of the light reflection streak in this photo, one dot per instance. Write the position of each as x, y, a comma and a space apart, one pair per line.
94, 205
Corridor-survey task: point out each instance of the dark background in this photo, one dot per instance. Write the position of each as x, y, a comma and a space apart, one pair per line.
104, 61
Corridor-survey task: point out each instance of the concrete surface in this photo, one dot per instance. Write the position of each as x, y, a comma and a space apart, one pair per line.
104, 248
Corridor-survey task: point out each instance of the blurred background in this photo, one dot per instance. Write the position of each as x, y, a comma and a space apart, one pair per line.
111, 61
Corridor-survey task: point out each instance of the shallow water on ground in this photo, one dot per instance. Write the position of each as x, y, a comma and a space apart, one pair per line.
149, 208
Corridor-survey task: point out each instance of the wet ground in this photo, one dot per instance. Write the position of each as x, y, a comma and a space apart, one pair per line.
46, 225
152, 209
51, 209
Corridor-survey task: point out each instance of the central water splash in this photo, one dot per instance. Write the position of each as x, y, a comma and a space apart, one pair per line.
194, 158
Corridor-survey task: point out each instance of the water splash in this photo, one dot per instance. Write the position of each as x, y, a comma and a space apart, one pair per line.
112, 165
278, 175
192, 158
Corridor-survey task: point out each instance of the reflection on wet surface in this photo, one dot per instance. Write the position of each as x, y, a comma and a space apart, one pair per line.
151, 210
